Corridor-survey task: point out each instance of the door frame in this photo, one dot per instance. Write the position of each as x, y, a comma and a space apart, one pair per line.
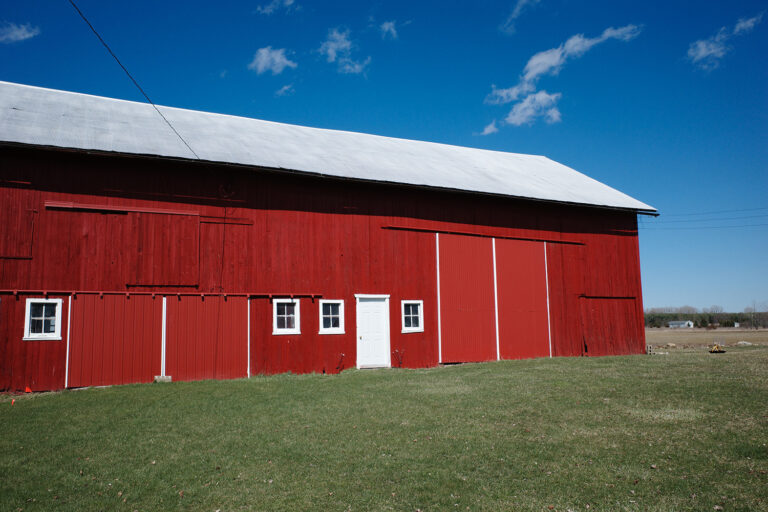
359, 296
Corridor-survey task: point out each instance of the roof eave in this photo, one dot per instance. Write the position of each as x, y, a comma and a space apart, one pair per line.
281, 170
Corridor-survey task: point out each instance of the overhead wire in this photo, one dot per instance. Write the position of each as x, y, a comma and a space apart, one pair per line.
651, 228
703, 217
711, 212
136, 83
709, 219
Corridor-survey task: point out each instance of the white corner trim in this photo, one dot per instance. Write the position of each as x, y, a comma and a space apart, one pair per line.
297, 323
162, 343
496, 300
546, 283
248, 335
331, 330
66, 363
439, 318
405, 329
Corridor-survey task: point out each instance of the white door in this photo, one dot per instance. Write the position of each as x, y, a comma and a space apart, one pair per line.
373, 331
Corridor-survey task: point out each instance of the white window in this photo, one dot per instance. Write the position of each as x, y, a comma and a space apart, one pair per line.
413, 315
285, 316
331, 317
42, 319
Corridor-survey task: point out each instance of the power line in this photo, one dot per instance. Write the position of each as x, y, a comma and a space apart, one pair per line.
713, 212
131, 77
708, 219
651, 228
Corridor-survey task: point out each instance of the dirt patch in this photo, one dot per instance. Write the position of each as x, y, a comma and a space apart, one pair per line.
686, 338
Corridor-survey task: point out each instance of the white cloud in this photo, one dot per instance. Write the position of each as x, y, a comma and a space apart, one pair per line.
12, 33
535, 105
552, 60
707, 53
502, 96
285, 90
337, 43
338, 48
268, 59
349, 66
388, 29
548, 61
275, 5
541, 104
746, 25
490, 128
508, 27
552, 116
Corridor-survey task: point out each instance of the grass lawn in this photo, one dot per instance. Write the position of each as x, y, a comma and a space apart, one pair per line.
682, 431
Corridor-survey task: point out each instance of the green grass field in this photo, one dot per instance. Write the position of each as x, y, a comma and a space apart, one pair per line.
683, 431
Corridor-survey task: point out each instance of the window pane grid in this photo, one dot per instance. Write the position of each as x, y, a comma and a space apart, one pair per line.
412, 316
285, 316
331, 317
42, 318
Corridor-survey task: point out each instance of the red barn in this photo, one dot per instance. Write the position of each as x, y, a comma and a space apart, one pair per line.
215, 247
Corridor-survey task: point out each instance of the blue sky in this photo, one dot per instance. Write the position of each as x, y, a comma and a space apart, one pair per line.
665, 101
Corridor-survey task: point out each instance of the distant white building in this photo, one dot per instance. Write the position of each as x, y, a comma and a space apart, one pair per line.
680, 324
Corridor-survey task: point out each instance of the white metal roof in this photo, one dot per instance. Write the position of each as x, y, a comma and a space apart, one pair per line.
47, 117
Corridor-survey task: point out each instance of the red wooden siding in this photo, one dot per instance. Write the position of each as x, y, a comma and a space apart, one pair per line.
162, 226
206, 337
300, 353
566, 276
114, 339
522, 296
167, 249
17, 222
335, 266
466, 299
39, 365
412, 259
609, 325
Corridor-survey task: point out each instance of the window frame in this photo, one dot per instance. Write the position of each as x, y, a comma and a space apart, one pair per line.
297, 313
419, 303
331, 330
42, 336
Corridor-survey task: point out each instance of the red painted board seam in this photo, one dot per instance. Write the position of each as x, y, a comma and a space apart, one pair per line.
263, 295
606, 297
226, 220
68, 205
481, 235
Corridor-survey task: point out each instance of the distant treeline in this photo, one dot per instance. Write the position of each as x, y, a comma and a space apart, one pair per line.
720, 319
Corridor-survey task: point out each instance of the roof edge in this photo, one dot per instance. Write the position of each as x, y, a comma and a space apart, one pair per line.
281, 170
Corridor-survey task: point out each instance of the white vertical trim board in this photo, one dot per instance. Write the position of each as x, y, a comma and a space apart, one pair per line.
496, 300
248, 337
162, 353
546, 283
439, 317
66, 364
